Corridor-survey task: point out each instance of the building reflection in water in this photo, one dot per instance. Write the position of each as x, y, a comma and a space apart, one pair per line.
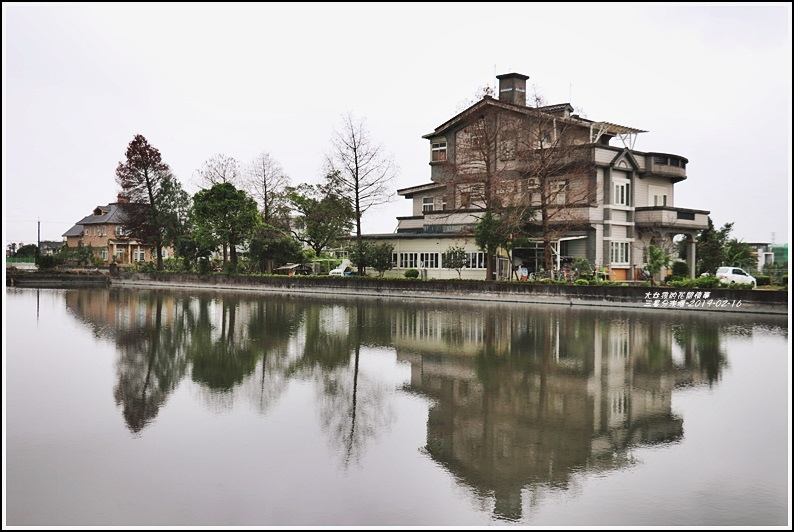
522, 397
527, 398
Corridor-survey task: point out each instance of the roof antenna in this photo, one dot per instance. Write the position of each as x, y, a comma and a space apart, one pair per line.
494, 78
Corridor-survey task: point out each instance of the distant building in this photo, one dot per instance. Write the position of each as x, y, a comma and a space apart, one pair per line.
104, 231
50, 247
762, 254
766, 253
780, 253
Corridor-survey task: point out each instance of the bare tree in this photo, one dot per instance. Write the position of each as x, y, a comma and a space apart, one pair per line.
481, 179
526, 168
266, 182
553, 156
359, 169
218, 169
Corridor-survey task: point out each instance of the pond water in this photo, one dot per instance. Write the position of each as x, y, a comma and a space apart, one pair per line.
131, 407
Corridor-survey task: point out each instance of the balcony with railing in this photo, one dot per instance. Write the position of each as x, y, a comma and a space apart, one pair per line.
671, 218
666, 165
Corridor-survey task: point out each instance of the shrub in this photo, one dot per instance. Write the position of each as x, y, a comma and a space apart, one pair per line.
680, 269
582, 281
784, 280
172, 264
582, 265
145, 267
48, 262
762, 280
411, 273
710, 281
203, 266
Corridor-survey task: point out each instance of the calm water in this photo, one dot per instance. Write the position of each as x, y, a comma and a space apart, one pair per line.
137, 407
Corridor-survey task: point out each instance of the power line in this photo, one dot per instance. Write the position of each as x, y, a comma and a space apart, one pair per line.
37, 221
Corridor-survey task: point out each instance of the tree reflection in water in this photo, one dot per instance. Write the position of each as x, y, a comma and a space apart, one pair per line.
522, 397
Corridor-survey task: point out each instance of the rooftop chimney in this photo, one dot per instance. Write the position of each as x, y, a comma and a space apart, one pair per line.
513, 88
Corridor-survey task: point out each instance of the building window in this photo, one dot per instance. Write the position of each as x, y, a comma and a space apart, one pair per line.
119, 254
544, 140
560, 197
475, 259
439, 151
103, 253
471, 194
428, 260
619, 252
621, 190
427, 204
443, 204
476, 140
409, 260
508, 151
657, 196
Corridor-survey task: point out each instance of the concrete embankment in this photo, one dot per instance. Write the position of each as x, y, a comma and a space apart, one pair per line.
652, 298
38, 279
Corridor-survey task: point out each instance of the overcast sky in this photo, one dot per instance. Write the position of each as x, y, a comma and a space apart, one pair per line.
709, 82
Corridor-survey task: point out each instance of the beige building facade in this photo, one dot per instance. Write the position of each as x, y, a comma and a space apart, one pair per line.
104, 231
603, 200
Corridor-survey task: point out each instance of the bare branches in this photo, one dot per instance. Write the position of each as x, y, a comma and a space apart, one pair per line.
558, 176
218, 169
266, 181
359, 168
529, 166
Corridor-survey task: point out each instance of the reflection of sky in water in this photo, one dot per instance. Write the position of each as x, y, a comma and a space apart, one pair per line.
437, 421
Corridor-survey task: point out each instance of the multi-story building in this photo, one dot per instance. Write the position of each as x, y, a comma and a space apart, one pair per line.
570, 192
103, 230
762, 255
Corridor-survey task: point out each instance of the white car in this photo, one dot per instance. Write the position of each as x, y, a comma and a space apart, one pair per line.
343, 270
730, 275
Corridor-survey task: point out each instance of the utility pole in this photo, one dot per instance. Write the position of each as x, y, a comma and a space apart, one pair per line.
38, 242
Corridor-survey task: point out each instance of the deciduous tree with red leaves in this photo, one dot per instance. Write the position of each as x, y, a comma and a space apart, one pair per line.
141, 178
